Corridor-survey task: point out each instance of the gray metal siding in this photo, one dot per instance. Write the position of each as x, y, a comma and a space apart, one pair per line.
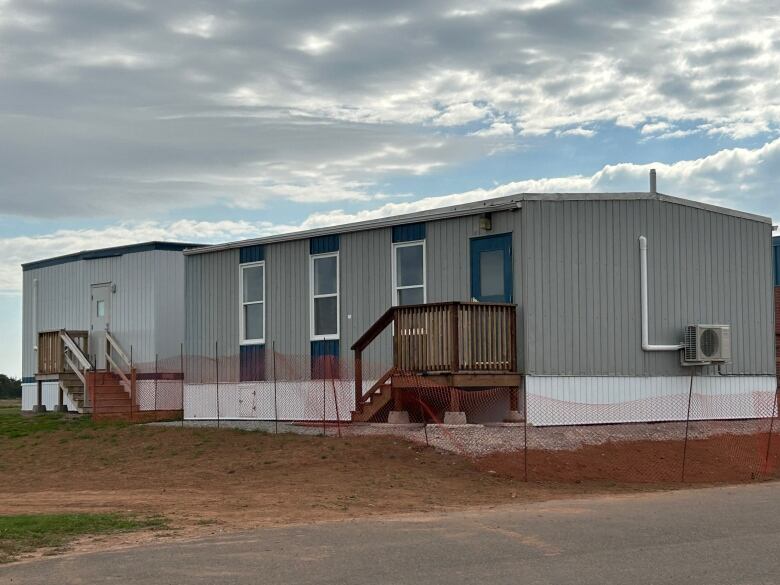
211, 301
366, 293
168, 282
449, 263
136, 307
287, 297
582, 295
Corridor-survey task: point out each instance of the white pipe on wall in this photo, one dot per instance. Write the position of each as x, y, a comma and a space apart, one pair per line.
645, 325
35, 315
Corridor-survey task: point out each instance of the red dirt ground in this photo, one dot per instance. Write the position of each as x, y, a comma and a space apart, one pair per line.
205, 478
719, 459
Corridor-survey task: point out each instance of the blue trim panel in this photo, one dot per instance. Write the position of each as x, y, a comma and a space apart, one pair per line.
498, 242
252, 363
324, 244
28, 380
109, 253
776, 250
410, 232
251, 254
325, 359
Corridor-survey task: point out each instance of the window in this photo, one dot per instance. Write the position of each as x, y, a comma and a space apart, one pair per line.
252, 324
324, 282
409, 273
101, 308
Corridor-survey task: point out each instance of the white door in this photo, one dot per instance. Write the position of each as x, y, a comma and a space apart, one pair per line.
99, 322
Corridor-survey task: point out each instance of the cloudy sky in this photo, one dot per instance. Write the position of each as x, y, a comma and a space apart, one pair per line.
205, 120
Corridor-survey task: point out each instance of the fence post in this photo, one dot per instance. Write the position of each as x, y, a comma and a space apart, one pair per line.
181, 364
156, 357
132, 383
276, 404
336, 405
324, 385
687, 424
525, 430
216, 371
771, 427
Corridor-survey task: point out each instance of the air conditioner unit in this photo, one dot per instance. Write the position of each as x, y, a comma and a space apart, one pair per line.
706, 344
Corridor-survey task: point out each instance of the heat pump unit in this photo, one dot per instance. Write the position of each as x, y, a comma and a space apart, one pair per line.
707, 344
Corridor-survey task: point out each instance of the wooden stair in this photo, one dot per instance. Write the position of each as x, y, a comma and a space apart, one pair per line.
373, 401
72, 387
109, 397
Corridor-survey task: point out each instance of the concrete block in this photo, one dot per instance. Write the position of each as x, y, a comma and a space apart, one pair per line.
455, 418
39, 408
398, 417
61, 408
514, 416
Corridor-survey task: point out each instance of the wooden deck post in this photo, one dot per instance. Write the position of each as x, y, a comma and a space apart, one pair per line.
39, 406
454, 400
454, 338
358, 380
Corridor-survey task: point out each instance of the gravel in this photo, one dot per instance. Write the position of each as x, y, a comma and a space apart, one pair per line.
477, 440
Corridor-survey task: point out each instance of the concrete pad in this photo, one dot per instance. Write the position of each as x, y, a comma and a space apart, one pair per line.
455, 418
514, 416
398, 417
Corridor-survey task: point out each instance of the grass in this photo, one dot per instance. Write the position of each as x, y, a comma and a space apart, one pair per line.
14, 424
29, 532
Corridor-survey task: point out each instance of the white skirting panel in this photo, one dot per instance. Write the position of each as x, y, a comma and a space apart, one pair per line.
299, 400
574, 400
49, 396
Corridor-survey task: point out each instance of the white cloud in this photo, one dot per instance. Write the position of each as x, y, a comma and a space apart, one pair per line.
738, 178
201, 25
655, 127
497, 129
459, 114
578, 131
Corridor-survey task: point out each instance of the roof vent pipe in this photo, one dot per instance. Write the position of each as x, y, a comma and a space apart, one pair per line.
652, 181
645, 326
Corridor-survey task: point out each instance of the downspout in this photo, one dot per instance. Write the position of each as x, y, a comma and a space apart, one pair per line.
35, 316
645, 327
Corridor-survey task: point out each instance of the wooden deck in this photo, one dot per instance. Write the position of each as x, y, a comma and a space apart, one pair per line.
452, 345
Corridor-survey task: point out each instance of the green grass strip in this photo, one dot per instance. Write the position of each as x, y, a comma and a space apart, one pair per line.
28, 532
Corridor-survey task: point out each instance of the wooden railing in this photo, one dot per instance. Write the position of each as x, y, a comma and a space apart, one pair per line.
121, 363
51, 349
446, 338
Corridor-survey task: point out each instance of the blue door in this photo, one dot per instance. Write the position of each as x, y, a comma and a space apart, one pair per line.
491, 269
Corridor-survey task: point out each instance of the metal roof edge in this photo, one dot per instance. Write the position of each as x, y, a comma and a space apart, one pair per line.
109, 253
714, 208
470, 208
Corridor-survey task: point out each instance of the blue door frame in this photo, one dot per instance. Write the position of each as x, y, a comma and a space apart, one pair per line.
500, 244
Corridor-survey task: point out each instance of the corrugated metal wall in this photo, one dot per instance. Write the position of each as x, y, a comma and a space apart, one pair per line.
287, 294
211, 302
449, 263
147, 300
366, 291
582, 295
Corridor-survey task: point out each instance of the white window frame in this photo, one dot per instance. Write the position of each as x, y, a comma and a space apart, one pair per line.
424, 285
242, 304
312, 259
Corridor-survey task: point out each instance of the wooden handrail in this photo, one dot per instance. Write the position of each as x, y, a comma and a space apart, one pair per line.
130, 378
447, 337
75, 350
113, 343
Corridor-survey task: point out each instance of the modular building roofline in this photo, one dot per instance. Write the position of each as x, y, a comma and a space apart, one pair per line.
109, 253
472, 208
